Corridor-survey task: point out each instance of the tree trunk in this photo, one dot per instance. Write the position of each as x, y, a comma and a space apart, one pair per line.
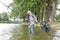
24, 19
44, 13
47, 15
53, 11
38, 15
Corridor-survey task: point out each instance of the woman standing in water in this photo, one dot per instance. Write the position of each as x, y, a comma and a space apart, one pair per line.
32, 19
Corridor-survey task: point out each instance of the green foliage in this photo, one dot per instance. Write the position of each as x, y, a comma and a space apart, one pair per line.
4, 17
20, 7
58, 17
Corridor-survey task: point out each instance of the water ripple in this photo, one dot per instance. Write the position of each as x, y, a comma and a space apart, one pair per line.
6, 30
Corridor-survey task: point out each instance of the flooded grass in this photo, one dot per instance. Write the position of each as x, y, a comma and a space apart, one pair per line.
21, 33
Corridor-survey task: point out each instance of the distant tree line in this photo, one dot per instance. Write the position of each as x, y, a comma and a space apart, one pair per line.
4, 16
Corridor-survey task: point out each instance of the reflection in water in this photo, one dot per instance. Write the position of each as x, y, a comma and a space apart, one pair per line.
17, 33
31, 36
6, 31
57, 35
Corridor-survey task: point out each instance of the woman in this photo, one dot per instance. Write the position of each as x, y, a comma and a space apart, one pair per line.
32, 20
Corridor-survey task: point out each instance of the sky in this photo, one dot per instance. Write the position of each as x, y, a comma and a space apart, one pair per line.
3, 8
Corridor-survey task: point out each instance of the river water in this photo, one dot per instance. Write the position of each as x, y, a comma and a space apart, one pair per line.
57, 35
19, 32
6, 30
